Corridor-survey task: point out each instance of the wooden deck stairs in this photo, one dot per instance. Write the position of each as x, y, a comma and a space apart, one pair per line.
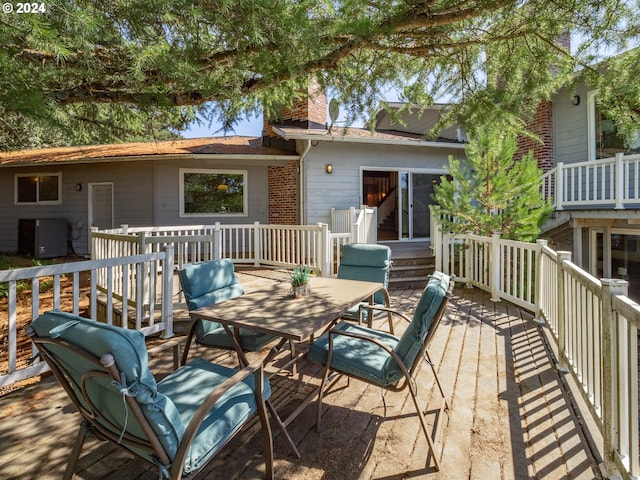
411, 265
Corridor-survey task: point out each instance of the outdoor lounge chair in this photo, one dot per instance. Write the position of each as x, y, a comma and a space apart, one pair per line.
178, 424
371, 263
382, 359
208, 283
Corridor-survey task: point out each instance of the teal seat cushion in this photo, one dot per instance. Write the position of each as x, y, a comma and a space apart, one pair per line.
189, 386
212, 334
414, 336
130, 355
208, 283
354, 356
365, 360
366, 262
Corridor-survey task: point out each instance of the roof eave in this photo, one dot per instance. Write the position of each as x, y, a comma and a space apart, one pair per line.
136, 158
372, 140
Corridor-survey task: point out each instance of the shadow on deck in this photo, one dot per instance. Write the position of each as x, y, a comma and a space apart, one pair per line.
511, 415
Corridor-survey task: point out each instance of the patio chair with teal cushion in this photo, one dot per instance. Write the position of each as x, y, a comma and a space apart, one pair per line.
178, 424
371, 263
208, 283
382, 359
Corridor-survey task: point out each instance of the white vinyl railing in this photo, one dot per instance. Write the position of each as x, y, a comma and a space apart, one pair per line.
593, 322
361, 224
608, 182
52, 286
274, 245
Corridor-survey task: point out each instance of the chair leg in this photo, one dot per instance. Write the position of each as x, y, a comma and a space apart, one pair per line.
425, 430
75, 452
325, 377
187, 344
267, 437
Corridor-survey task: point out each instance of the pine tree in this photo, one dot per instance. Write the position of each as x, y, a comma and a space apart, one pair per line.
82, 72
491, 191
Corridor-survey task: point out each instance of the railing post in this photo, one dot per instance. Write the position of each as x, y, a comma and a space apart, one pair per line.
436, 241
558, 188
257, 241
217, 241
495, 267
562, 295
538, 279
610, 287
326, 250
446, 263
167, 292
620, 186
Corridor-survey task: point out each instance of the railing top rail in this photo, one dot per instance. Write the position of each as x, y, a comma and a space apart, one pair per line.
550, 252
62, 268
628, 308
585, 278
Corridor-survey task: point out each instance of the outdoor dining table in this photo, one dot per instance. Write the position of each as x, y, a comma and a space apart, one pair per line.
275, 311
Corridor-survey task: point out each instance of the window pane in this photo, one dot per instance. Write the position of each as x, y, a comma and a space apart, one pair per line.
609, 142
213, 193
48, 188
27, 188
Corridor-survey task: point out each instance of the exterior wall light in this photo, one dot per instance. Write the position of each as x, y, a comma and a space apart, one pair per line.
329, 168
575, 99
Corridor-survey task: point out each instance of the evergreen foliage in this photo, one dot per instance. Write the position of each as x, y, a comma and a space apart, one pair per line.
92, 70
491, 191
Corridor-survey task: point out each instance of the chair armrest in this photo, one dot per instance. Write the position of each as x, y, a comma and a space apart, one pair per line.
364, 306
198, 417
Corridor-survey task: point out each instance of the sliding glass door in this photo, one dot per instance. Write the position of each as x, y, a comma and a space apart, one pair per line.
402, 199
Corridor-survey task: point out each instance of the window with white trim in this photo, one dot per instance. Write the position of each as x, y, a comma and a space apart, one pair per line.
38, 188
213, 192
606, 140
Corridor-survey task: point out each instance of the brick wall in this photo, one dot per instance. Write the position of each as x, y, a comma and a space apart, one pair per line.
283, 194
542, 126
310, 111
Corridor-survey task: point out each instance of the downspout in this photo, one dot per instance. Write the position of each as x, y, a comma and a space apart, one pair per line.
301, 168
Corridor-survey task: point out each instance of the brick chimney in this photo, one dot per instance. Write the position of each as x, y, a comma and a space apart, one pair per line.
309, 111
542, 125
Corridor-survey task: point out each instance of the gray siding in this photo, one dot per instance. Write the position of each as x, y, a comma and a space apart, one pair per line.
570, 127
342, 188
145, 194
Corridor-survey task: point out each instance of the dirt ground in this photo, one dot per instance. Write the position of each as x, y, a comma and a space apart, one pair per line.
24, 314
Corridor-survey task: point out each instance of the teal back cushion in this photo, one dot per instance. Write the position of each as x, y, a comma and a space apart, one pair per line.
208, 283
367, 262
106, 396
414, 336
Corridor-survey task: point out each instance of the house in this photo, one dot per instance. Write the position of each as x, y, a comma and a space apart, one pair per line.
294, 174
592, 176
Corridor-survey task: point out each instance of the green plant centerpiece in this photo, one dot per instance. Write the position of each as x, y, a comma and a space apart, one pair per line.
299, 278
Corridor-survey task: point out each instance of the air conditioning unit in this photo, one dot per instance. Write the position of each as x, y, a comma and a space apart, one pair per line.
42, 237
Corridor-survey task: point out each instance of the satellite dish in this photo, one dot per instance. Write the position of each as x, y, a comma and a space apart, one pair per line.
334, 110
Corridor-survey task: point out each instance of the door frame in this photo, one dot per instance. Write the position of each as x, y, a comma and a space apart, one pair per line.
399, 170
90, 187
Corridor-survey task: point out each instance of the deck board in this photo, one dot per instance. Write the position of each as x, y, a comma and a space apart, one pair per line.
510, 414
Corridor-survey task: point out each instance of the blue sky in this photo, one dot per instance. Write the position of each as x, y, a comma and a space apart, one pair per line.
251, 128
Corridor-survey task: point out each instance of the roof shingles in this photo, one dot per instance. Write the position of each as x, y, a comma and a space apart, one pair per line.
233, 145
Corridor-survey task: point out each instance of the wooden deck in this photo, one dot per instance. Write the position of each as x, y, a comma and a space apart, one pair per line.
511, 415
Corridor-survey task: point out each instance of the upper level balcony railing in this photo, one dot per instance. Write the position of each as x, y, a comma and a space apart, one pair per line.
606, 183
